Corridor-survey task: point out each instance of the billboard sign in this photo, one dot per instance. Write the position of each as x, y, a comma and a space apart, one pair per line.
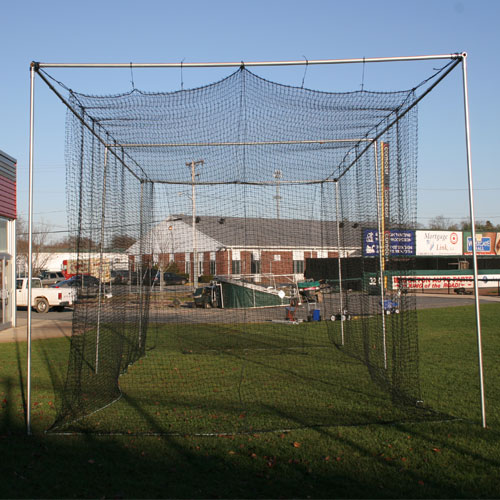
400, 242
486, 243
439, 242
445, 281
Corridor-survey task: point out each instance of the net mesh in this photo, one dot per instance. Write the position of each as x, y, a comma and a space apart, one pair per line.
239, 189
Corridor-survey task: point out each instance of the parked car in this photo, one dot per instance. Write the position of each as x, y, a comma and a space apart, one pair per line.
86, 286
49, 278
42, 299
123, 277
170, 279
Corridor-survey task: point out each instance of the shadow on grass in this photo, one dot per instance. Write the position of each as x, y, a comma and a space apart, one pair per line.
320, 463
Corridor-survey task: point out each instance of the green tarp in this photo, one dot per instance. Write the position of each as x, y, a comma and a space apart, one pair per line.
239, 296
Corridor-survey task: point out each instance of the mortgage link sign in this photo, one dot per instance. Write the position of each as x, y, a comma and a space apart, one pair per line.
403, 242
439, 242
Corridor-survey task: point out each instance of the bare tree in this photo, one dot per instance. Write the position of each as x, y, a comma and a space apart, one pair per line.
121, 242
442, 223
40, 257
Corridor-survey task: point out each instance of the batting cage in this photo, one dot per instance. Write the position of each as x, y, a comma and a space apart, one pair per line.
228, 196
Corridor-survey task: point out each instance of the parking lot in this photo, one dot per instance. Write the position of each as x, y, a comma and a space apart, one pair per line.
163, 311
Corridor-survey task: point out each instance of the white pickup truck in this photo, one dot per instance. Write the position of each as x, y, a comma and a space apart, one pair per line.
42, 299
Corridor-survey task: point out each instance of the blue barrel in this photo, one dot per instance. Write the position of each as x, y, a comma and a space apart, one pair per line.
316, 315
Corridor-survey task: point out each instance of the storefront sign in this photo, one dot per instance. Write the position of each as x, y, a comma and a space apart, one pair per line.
486, 243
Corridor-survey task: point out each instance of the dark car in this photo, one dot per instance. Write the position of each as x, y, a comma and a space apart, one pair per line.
87, 286
170, 279
123, 277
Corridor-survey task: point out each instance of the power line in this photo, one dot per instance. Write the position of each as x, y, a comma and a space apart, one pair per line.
458, 189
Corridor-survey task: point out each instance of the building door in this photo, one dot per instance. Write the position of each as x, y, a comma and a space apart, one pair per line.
5, 292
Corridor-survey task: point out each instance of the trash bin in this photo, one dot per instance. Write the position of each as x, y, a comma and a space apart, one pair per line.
316, 316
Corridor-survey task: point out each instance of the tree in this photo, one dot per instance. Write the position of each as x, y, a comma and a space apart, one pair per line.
121, 242
73, 243
442, 223
481, 226
40, 239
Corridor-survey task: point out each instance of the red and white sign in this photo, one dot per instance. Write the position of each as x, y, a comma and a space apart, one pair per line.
448, 281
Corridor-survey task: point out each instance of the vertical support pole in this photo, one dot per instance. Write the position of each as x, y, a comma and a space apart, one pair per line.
30, 246
192, 165
278, 174
381, 243
473, 235
101, 246
140, 281
3, 287
13, 270
193, 214
340, 264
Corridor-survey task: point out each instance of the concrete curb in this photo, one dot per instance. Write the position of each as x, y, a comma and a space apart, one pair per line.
40, 329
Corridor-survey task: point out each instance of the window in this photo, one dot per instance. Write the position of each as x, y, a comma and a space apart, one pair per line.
298, 267
212, 267
255, 266
236, 267
3, 236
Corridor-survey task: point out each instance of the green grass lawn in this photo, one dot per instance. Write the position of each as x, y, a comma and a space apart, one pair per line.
410, 458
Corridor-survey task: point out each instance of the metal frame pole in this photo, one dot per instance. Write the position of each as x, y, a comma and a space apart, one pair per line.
101, 247
2, 288
30, 246
380, 251
193, 217
140, 281
473, 236
192, 165
13, 272
340, 264
239, 64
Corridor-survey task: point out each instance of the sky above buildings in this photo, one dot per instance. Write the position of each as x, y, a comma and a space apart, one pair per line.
200, 31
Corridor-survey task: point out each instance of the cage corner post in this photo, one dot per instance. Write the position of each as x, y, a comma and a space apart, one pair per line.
33, 68
463, 58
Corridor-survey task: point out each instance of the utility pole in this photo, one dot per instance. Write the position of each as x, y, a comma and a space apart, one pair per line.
278, 174
192, 165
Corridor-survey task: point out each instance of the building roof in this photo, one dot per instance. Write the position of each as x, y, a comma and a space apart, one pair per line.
262, 232
174, 235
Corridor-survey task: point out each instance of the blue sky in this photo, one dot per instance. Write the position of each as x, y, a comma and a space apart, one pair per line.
200, 31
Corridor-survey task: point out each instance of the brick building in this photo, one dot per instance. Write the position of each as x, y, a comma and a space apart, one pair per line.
238, 246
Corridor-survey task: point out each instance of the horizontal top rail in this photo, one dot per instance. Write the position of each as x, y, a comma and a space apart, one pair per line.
253, 143
302, 62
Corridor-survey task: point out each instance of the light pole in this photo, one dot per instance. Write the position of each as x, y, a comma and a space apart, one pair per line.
192, 165
278, 174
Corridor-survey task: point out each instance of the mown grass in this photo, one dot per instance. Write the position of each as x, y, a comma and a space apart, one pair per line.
426, 459
232, 378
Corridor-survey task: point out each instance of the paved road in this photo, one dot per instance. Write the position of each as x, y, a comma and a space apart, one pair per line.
56, 324
423, 301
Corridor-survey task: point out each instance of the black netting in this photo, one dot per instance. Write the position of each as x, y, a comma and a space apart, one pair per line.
286, 180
